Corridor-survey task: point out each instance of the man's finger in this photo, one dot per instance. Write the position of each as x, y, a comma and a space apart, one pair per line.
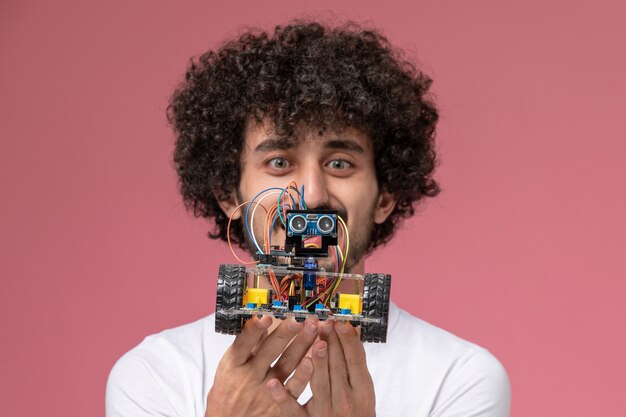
296, 350
275, 343
260, 341
241, 349
297, 383
285, 404
336, 364
358, 374
320, 381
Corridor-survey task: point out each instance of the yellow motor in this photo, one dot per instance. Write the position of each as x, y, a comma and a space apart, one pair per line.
257, 296
352, 302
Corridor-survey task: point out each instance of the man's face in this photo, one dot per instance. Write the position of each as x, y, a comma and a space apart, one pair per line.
337, 171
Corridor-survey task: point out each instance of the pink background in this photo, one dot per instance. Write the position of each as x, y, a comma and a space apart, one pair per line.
523, 252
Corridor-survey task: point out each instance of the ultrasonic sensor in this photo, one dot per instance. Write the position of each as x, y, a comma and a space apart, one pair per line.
325, 224
298, 223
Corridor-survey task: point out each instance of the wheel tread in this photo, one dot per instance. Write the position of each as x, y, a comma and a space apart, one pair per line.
230, 286
376, 292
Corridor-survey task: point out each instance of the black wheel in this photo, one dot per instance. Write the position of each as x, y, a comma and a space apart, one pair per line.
376, 290
230, 283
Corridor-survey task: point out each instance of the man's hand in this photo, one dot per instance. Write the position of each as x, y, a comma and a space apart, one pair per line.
240, 382
341, 384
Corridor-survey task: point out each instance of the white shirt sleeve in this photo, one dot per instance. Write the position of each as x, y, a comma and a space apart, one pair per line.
477, 387
133, 390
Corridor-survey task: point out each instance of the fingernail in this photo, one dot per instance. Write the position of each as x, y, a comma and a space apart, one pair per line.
310, 327
326, 327
322, 352
294, 326
343, 328
263, 324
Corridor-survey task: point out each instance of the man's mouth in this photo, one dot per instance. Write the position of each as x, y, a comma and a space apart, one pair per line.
313, 241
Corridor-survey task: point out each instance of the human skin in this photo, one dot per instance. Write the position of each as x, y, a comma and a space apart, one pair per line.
341, 383
239, 388
337, 169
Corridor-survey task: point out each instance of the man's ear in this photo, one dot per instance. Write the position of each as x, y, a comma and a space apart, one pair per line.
384, 206
229, 203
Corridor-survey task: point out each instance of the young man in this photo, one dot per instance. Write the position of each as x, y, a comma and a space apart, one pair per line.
338, 111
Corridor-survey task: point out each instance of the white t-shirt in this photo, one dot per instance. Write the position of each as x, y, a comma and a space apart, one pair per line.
421, 371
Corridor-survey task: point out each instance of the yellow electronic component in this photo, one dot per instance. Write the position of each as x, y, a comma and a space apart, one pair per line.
258, 296
351, 301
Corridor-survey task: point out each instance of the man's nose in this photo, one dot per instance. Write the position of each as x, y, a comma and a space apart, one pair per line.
315, 188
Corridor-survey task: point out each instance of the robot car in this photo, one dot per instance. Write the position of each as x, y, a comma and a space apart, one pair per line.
291, 281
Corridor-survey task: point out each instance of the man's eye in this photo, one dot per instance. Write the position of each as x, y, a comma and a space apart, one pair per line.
339, 164
278, 163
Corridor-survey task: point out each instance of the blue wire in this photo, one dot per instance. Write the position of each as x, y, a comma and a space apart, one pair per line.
293, 202
272, 228
304, 206
245, 219
278, 214
280, 209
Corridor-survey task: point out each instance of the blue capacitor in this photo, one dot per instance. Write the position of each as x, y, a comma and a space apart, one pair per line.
310, 268
309, 280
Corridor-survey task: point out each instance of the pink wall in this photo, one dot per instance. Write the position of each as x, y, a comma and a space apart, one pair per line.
523, 252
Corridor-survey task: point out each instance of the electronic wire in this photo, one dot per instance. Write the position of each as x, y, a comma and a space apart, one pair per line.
246, 216
230, 245
252, 219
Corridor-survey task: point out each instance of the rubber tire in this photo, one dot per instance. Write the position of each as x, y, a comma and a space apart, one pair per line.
376, 291
230, 284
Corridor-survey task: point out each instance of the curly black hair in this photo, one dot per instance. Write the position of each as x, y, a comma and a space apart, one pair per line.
304, 73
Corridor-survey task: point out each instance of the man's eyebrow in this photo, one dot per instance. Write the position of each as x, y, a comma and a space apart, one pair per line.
273, 144
283, 143
344, 144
